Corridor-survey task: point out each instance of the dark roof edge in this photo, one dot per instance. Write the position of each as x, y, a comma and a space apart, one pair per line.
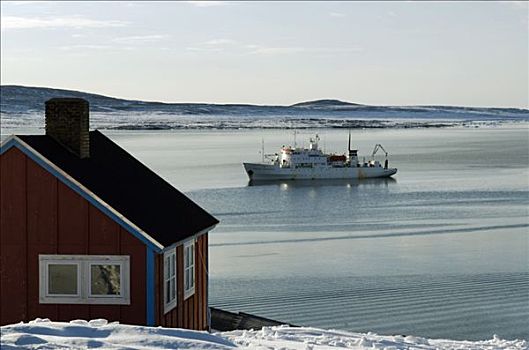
157, 175
199, 233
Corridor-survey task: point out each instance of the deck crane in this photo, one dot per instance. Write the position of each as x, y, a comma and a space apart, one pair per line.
378, 147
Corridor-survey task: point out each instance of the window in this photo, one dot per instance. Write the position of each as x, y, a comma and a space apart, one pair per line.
63, 279
105, 280
169, 268
84, 279
189, 268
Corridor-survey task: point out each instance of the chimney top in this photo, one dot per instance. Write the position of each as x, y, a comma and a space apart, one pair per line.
67, 121
67, 99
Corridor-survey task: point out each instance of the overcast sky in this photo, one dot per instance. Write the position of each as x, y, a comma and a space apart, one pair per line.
388, 53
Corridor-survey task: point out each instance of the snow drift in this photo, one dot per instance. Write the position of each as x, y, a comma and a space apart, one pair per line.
80, 334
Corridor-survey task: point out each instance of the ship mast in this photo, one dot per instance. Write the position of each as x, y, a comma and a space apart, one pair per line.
262, 150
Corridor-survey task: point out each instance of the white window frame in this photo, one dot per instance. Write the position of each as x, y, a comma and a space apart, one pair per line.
171, 256
83, 263
189, 246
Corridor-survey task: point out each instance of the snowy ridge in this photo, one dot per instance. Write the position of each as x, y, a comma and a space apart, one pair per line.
80, 334
22, 106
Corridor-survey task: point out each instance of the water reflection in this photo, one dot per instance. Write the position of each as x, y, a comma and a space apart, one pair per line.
286, 184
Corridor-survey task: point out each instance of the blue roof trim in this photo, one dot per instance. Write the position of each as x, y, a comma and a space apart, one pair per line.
10, 143
149, 291
13, 142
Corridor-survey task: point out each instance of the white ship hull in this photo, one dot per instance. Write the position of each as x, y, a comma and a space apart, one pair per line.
260, 171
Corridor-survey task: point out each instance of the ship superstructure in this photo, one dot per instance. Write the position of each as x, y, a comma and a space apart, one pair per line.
293, 163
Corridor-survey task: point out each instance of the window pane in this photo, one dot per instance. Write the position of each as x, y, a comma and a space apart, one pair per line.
167, 292
166, 267
62, 279
105, 279
173, 264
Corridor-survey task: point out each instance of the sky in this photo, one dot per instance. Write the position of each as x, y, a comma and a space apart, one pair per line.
278, 53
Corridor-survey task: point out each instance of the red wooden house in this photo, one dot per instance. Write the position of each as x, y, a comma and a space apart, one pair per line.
87, 231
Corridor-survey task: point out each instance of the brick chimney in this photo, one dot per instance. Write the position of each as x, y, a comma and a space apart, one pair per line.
67, 122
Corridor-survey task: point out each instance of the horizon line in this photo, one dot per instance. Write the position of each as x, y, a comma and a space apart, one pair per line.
260, 105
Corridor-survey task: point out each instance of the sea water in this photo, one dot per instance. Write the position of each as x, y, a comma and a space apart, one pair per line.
440, 250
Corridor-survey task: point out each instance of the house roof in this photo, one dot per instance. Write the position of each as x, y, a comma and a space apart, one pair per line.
129, 187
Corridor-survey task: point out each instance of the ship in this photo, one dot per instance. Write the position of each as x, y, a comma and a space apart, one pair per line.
300, 163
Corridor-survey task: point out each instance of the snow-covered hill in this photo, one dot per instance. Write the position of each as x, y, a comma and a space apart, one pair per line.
79, 334
22, 106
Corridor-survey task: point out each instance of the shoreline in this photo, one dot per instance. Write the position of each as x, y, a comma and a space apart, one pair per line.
32, 126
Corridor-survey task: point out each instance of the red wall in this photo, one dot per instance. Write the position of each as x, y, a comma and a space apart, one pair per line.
192, 312
41, 215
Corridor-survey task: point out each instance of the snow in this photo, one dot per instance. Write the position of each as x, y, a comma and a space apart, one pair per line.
23, 107
81, 334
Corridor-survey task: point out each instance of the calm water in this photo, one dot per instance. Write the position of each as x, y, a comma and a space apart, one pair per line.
440, 251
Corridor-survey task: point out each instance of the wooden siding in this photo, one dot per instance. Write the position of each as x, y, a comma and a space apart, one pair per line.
193, 312
41, 215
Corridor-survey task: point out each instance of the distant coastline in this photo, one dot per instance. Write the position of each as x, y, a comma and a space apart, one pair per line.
22, 106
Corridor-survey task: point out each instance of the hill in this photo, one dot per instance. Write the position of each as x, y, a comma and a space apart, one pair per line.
23, 106
25, 99
326, 104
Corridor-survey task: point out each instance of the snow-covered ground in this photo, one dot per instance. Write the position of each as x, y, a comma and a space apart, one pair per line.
79, 334
23, 107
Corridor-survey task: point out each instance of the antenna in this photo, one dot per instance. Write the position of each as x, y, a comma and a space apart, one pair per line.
262, 150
